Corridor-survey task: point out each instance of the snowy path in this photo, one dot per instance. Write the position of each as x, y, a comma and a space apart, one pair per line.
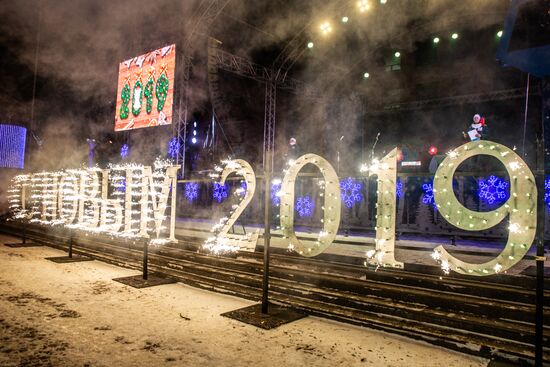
75, 315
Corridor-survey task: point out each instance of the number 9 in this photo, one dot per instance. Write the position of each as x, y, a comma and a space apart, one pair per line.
521, 208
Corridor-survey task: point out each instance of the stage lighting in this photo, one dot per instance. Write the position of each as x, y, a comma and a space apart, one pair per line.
397, 54
383, 1
345, 19
366, 75
326, 28
432, 150
454, 36
194, 140
310, 45
436, 39
499, 34
363, 5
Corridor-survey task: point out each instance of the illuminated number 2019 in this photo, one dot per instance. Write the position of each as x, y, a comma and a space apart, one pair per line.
332, 204
521, 208
384, 252
224, 241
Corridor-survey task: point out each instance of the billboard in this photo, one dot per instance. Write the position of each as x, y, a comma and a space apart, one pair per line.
145, 91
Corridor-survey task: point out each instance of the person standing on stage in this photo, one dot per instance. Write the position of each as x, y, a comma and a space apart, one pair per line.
477, 130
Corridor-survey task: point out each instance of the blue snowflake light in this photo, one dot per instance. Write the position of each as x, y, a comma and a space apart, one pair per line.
547, 193
275, 198
493, 190
304, 206
124, 150
220, 192
350, 192
244, 187
173, 147
191, 191
399, 188
428, 194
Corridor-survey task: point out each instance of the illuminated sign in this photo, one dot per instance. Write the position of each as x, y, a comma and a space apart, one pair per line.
127, 200
411, 164
145, 93
138, 200
12, 146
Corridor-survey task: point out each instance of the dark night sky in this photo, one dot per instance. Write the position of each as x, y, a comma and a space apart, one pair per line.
82, 42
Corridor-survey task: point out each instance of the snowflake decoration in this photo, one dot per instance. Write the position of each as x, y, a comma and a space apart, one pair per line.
304, 206
124, 150
173, 147
191, 191
220, 192
350, 192
398, 188
428, 196
275, 196
244, 188
493, 190
547, 192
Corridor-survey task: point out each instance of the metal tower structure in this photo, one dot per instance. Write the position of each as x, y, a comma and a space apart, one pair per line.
271, 78
208, 11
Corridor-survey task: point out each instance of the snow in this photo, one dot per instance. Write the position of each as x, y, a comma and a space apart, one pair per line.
75, 315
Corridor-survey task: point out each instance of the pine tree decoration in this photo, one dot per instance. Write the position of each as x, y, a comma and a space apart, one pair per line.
162, 89
149, 95
125, 96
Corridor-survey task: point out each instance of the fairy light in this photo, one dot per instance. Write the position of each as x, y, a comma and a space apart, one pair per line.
326, 28
329, 190
386, 171
222, 242
363, 5
520, 209
78, 199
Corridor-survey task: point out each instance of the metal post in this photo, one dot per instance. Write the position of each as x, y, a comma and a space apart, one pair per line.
71, 244
540, 258
24, 232
145, 258
267, 230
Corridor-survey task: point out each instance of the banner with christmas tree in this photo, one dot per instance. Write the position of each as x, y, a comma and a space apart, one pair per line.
145, 91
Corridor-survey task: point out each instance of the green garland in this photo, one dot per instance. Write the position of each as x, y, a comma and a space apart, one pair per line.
161, 91
139, 85
149, 95
125, 96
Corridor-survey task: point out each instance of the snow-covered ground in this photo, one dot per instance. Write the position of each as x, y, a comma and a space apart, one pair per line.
75, 315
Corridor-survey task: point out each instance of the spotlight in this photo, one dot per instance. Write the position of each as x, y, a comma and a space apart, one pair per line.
326, 28
432, 150
345, 19
310, 45
194, 140
499, 34
363, 5
397, 54
383, 1
454, 36
366, 75
436, 39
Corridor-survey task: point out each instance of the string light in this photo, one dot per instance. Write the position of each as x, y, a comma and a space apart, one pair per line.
363, 5
304, 206
78, 199
351, 192
326, 28
493, 190
191, 191
222, 241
